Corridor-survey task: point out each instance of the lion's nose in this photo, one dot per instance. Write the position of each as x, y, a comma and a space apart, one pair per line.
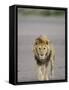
41, 54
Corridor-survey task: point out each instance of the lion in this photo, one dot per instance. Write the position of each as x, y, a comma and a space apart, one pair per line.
44, 54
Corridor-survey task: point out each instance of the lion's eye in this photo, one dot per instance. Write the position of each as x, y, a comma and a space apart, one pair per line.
39, 48
44, 48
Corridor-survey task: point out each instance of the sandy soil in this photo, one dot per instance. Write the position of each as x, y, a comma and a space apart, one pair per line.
28, 29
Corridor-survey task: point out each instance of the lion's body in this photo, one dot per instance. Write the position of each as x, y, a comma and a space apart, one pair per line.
44, 54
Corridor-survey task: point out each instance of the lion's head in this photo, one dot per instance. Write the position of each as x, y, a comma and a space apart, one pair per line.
41, 48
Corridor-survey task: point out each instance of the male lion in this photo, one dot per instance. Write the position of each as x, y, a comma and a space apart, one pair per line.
44, 54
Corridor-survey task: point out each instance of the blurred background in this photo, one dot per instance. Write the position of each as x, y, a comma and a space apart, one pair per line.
40, 12
31, 24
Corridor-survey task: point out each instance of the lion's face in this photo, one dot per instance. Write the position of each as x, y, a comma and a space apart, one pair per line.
42, 50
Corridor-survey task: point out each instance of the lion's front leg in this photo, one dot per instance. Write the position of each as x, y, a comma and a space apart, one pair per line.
46, 74
52, 67
46, 77
40, 73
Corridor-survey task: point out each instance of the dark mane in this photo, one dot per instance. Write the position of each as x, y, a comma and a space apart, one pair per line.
40, 40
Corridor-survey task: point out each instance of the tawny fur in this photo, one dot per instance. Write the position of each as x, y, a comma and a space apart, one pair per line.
44, 54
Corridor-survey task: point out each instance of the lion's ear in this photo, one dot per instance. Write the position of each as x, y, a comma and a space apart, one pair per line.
36, 43
38, 40
48, 42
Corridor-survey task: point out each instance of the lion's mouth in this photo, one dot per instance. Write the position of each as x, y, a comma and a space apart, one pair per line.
41, 57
